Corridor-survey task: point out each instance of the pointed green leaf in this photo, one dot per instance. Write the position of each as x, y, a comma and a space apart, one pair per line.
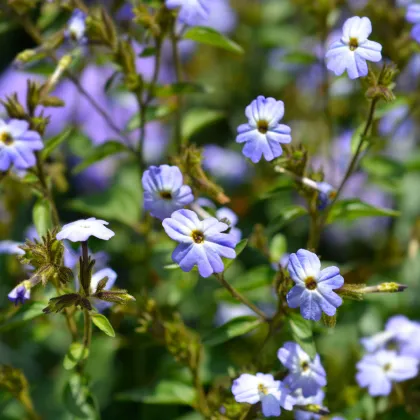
241, 245
52, 143
78, 400
196, 119
26, 313
41, 214
103, 324
302, 333
287, 215
76, 353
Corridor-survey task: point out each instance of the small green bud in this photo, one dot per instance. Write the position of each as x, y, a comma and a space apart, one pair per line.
13, 107
389, 287
351, 291
59, 303
115, 296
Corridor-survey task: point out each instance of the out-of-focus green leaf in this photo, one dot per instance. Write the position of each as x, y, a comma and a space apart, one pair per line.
302, 333
299, 57
287, 215
41, 214
238, 249
180, 88
99, 153
74, 355
282, 184
352, 209
383, 166
78, 400
26, 313
165, 392
103, 324
153, 113
234, 328
278, 246
52, 143
210, 36
195, 119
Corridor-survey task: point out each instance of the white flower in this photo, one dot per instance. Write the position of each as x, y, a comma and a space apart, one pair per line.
81, 230
353, 49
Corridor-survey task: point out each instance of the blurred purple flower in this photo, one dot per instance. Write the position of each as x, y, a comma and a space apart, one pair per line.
76, 27
191, 12
413, 16
21, 293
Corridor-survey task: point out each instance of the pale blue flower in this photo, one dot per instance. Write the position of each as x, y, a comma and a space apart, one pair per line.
164, 191
263, 134
304, 373
413, 16
353, 49
228, 214
21, 293
76, 27
378, 371
81, 230
11, 247
191, 12
17, 145
313, 291
317, 399
96, 278
263, 388
202, 242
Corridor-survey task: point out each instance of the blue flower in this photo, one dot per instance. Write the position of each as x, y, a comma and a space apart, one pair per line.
82, 230
304, 373
191, 12
11, 248
202, 242
413, 16
262, 387
353, 49
263, 134
17, 145
228, 214
76, 27
378, 371
317, 399
313, 291
326, 194
164, 191
21, 293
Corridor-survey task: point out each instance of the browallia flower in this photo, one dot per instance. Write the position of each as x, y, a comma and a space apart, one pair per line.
263, 134
304, 373
228, 214
191, 12
81, 230
202, 242
11, 248
262, 387
96, 278
317, 399
326, 194
378, 371
313, 291
17, 145
76, 27
413, 16
164, 191
21, 293
353, 49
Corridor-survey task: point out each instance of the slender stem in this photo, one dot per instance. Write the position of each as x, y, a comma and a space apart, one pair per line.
240, 297
26, 401
201, 395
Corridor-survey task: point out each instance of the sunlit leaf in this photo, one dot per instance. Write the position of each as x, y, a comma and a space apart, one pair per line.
103, 324
302, 333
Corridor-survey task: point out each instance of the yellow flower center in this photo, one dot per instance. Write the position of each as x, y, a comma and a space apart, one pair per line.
353, 44
310, 283
304, 365
166, 195
262, 389
387, 367
198, 236
6, 138
262, 126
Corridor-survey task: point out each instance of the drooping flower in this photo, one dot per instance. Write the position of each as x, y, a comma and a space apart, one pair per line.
228, 214
263, 134
326, 194
314, 287
378, 371
76, 27
191, 12
21, 293
304, 373
262, 387
202, 242
353, 49
17, 145
164, 191
317, 399
81, 230
413, 16
96, 278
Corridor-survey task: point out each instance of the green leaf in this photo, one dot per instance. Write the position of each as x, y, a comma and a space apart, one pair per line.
74, 355
103, 324
99, 153
241, 245
165, 392
299, 57
356, 138
210, 36
302, 333
41, 214
26, 313
234, 328
153, 113
195, 119
78, 400
352, 209
278, 247
287, 215
383, 167
180, 88
52, 143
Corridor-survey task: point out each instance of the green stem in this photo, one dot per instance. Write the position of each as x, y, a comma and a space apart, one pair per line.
26, 401
240, 297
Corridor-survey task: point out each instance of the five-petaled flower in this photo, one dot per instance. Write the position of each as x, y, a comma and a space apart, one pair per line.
263, 134
17, 145
378, 371
164, 191
304, 373
21, 293
262, 387
202, 242
353, 49
413, 16
81, 230
314, 287
76, 27
191, 12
